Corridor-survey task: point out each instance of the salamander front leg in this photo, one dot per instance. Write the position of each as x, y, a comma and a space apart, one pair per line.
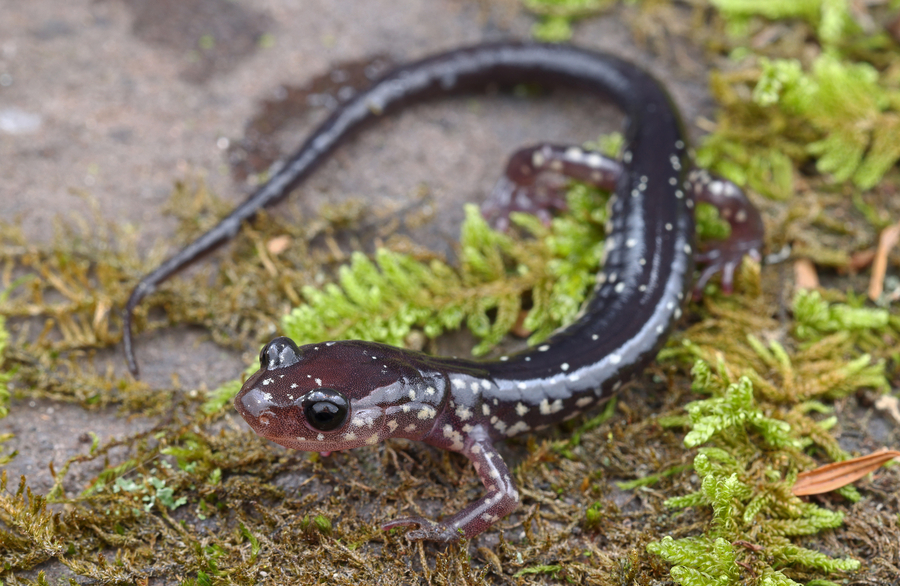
501, 499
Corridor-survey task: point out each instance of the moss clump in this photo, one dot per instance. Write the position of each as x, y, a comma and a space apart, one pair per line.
746, 480
387, 299
557, 16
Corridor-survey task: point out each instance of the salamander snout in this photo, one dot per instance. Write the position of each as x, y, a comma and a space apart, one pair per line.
273, 413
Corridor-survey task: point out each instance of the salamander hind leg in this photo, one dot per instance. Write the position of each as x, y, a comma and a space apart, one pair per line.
535, 179
501, 498
747, 229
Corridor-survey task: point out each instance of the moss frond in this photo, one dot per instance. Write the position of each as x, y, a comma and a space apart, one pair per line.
387, 299
831, 19
557, 16
841, 112
745, 478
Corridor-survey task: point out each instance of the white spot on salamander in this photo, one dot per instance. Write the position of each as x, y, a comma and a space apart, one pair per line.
574, 154
463, 413
548, 408
521, 409
519, 427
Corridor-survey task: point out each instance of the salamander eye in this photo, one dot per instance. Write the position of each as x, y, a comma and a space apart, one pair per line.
279, 353
325, 409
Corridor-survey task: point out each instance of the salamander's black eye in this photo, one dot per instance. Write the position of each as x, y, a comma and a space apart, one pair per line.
325, 409
279, 353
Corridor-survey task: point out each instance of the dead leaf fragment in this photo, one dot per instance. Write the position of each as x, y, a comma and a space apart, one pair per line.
833, 476
278, 245
860, 260
805, 275
887, 240
890, 405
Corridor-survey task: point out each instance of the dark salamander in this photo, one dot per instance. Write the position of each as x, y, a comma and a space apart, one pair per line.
340, 395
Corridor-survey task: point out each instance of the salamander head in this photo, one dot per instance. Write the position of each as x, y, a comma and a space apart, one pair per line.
331, 396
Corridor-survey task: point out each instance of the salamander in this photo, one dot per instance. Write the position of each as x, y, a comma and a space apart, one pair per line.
337, 395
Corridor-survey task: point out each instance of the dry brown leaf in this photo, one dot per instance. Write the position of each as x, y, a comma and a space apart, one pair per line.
278, 244
887, 240
860, 260
833, 476
805, 275
890, 405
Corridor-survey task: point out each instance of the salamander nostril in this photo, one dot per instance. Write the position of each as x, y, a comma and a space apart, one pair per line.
255, 403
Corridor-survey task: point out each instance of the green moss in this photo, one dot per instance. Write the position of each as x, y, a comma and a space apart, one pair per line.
557, 16
746, 480
198, 500
6, 375
390, 298
831, 19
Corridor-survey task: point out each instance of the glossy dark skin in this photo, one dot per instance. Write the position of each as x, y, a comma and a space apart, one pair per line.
339, 395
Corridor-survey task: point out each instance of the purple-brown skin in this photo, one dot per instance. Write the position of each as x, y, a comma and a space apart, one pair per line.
339, 395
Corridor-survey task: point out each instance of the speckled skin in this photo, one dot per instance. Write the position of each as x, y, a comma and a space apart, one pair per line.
340, 395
